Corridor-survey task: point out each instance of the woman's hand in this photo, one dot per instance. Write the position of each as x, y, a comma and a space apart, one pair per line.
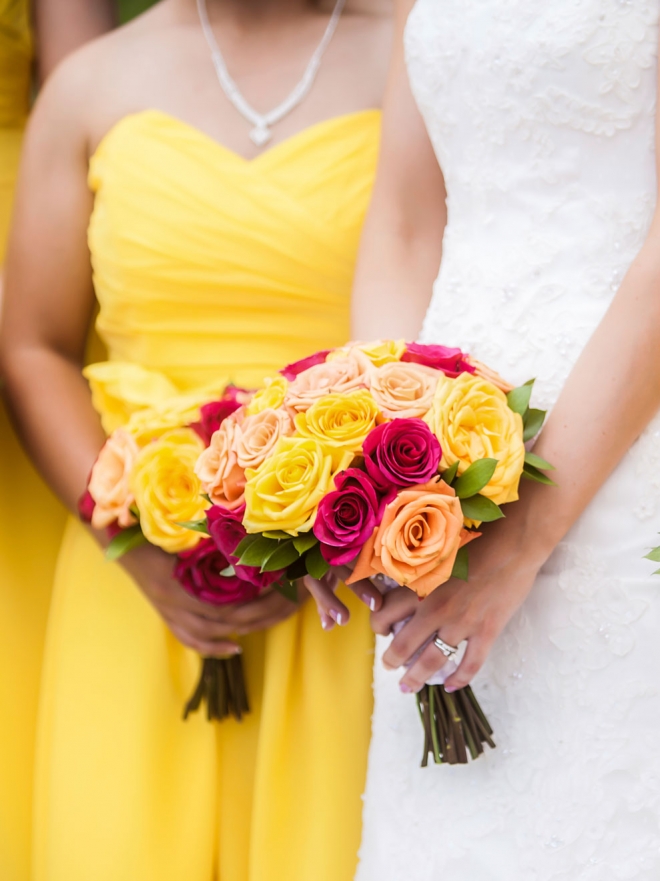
331, 610
476, 610
205, 628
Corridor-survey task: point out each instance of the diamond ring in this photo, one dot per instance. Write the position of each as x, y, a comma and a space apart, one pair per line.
449, 651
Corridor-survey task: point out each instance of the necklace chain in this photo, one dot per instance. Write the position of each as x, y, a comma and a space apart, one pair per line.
262, 122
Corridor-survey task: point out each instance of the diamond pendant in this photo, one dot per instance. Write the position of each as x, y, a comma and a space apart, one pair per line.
260, 135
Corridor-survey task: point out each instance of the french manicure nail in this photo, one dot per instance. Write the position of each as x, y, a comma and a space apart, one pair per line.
326, 623
406, 689
336, 616
370, 601
450, 689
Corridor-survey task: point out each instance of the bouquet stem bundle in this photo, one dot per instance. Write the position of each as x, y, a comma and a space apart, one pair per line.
222, 686
454, 724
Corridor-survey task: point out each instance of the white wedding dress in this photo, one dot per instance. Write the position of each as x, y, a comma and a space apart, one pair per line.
542, 118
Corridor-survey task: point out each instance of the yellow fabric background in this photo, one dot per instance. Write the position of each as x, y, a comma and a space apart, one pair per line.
207, 268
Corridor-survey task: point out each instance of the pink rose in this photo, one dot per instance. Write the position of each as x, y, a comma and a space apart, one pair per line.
213, 414
221, 476
331, 377
258, 435
292, 370
109, 483
452, 362
227, 531
401, 453
403, 390
199, 572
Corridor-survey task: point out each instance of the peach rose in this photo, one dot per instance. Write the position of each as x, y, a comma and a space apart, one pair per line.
218, 470
404, 390
332, 377
485, 372
258, 435
417, 540
109, 484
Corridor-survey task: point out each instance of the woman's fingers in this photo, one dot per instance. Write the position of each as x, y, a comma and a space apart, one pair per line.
427, 664
214, 649
473, 660
331, 610
260, 613
396, 605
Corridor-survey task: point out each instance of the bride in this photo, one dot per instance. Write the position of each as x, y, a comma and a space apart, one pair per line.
542, 120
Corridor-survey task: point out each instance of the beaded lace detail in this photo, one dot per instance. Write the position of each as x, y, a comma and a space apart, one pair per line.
542, 117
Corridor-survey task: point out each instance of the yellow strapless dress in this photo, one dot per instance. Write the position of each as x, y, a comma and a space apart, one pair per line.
206, 266
27, 556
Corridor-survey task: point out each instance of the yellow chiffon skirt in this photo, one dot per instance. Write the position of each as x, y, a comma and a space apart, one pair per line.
31, 524
273, 798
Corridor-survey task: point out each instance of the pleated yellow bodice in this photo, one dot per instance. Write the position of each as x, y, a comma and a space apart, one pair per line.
212, 268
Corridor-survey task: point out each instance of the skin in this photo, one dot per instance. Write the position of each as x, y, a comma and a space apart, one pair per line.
61, 26
605, 405
160, 61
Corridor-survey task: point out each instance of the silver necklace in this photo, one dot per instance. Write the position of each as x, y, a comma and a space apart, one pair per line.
262, 122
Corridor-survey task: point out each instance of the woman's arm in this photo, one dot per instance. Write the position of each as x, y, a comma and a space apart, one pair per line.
604, 406
49, 302
402, 239
63, 25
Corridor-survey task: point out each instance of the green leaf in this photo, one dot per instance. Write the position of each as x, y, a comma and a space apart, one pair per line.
288, 589
518, 399
228, 572
206, 497
481, 508
124, 542
316, 563
475, 478
657, 572
532, 423
245, 543
257, 552
296, 570
278, 535
450, 474
195, 525
538, 462
532, 473
304, 542
280, 558
460, 569
654, 556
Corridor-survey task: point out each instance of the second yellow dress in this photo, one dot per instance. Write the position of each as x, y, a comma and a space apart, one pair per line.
206, 267
27, 556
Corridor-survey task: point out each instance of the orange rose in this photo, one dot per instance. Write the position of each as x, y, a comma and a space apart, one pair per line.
485, 372
331, 377
109, 484
218, 469
417, 540
258, 435
403, 390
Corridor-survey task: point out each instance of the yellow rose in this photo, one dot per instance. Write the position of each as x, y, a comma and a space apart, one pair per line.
167, 491
270, 397
285, 491
377, 353
472, 420
340, 420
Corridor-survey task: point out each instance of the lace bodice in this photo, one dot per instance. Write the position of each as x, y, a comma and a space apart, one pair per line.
542, 118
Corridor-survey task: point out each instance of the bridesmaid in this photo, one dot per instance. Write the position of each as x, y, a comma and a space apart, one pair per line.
221, 248
26, 576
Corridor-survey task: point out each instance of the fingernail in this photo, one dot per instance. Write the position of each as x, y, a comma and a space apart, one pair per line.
336, 616
237, 650
326, 623
370, 601
406, 689
450, 689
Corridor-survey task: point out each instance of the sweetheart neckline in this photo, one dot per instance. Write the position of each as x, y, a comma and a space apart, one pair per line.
199, 133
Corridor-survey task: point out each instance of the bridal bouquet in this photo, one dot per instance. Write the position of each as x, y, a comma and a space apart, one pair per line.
388, 457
